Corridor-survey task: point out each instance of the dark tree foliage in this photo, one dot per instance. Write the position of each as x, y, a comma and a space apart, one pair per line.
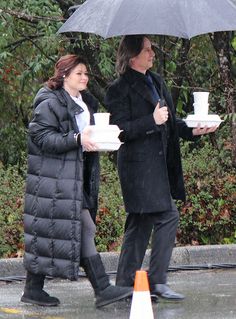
29, 47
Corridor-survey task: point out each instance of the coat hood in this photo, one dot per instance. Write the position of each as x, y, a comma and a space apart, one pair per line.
45, 93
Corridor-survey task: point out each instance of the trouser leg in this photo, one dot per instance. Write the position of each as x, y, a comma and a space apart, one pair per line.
88, 230
163, 239
138, 230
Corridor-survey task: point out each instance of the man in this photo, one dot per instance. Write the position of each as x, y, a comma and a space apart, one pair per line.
149, 163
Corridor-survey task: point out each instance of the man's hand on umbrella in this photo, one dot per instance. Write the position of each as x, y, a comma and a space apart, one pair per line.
160, 114
204, 130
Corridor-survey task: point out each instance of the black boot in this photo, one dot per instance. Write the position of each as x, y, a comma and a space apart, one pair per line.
34, 293
105, 293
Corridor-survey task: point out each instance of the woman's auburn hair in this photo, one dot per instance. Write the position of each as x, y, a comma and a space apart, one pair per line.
63, 68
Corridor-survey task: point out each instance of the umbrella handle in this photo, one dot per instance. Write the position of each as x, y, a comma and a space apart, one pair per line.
162, 102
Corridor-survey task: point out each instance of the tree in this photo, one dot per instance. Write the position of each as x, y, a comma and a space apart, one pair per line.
30, 46
224, 50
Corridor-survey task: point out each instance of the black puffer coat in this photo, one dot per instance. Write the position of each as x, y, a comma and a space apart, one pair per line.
149, 164
54, 185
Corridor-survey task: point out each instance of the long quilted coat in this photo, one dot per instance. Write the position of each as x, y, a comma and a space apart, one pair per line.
54, 185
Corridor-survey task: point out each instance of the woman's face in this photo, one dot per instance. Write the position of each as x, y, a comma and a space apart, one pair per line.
77, 80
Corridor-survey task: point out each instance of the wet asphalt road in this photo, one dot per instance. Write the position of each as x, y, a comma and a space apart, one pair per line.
209, 294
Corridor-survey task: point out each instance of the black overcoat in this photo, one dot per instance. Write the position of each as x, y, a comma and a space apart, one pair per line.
54, 185
150, 173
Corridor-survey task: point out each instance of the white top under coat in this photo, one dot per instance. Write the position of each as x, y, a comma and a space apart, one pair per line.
82, 119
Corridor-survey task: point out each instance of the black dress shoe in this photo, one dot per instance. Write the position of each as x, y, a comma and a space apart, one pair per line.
154, 298
164, 291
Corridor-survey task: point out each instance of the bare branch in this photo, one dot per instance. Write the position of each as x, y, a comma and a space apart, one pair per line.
30, 39
28, 18
14, 45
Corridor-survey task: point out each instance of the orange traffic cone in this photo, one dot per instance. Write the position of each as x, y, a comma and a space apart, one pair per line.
141, 306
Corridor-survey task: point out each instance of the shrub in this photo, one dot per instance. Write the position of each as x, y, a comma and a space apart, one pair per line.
207, 217
11, 208
209, 214
111, 213
13, 145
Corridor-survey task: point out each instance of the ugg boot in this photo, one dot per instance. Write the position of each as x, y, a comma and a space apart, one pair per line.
34, 293
105, 293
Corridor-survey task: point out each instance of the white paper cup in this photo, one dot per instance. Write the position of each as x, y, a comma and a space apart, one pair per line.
101, 119
201, 97
201, 109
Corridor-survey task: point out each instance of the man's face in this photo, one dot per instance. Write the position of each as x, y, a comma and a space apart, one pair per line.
144, 60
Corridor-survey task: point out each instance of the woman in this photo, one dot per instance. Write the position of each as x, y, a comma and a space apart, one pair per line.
62, 188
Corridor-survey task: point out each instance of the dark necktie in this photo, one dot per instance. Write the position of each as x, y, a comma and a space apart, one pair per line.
150, 83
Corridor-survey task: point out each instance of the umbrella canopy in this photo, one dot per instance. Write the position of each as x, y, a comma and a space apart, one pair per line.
180, 18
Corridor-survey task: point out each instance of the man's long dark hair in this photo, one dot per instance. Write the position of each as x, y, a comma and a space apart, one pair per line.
129, 47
